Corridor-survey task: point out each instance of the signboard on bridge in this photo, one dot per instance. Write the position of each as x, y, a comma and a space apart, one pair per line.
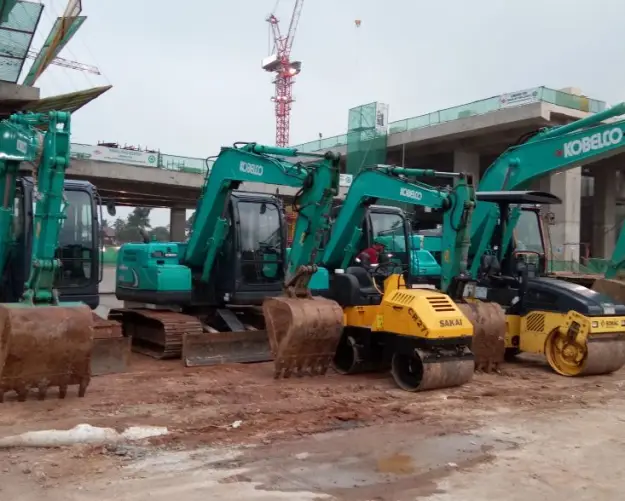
518, 98
113, 155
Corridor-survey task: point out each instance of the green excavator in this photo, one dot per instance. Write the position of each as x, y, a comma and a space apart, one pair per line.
581, 331
44, 341
201, 299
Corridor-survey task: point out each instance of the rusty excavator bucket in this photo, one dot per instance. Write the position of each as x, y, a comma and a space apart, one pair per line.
43, 347
489, 333
303, 331
611, 287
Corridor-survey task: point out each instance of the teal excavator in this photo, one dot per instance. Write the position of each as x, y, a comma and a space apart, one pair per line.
202, 299
581, 331
44, 342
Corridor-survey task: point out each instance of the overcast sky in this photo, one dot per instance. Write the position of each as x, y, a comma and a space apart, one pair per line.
187, 79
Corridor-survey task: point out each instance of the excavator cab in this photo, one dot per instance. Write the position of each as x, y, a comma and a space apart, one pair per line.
251, 264
78, 249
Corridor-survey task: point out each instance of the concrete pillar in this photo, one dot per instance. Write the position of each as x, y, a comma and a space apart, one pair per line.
177, 224
564, 233
468, 162
604, 213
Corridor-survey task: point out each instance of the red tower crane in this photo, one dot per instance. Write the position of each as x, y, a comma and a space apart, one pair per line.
279, 62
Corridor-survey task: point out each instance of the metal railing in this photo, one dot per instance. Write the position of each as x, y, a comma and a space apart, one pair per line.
475, 108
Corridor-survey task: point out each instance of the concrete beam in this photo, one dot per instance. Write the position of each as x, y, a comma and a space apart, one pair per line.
469, 163
565, 233
14, 92
177, 224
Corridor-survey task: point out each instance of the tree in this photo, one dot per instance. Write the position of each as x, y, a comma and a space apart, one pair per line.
190, 222
119, 225
130, 230
139, 218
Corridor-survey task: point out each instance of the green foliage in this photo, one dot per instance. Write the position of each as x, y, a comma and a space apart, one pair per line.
129, 230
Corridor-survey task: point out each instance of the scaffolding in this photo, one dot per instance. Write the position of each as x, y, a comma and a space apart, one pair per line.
367, 131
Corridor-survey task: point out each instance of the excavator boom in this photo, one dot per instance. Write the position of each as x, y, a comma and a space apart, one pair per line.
551, 150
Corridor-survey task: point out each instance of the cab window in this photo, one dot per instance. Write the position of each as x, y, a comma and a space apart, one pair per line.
527, 234
76, 245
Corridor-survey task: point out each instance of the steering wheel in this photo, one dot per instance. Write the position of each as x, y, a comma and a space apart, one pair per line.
526, 252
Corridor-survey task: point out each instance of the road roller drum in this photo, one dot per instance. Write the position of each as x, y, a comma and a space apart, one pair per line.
601, 354
47, 346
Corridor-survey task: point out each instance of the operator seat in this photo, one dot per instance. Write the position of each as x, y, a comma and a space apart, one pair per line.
354, 287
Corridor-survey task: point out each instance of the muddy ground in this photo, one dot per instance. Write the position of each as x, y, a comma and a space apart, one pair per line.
236, 433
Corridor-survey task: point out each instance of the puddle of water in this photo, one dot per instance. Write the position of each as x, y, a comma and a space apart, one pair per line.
400, 464
381, 465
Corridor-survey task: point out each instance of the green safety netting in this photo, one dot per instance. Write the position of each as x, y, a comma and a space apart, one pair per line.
590, 266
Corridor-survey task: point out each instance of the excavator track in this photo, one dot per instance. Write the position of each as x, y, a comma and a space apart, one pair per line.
156, 333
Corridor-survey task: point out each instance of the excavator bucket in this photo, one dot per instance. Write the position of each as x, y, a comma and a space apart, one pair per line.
611, 287
303, 334
489, 333
214, 348
111, 349
47, 346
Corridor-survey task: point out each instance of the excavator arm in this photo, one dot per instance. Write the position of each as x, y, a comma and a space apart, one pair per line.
318, 184
394, 183
549, 151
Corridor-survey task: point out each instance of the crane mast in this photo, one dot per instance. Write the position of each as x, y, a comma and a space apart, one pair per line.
279, 62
